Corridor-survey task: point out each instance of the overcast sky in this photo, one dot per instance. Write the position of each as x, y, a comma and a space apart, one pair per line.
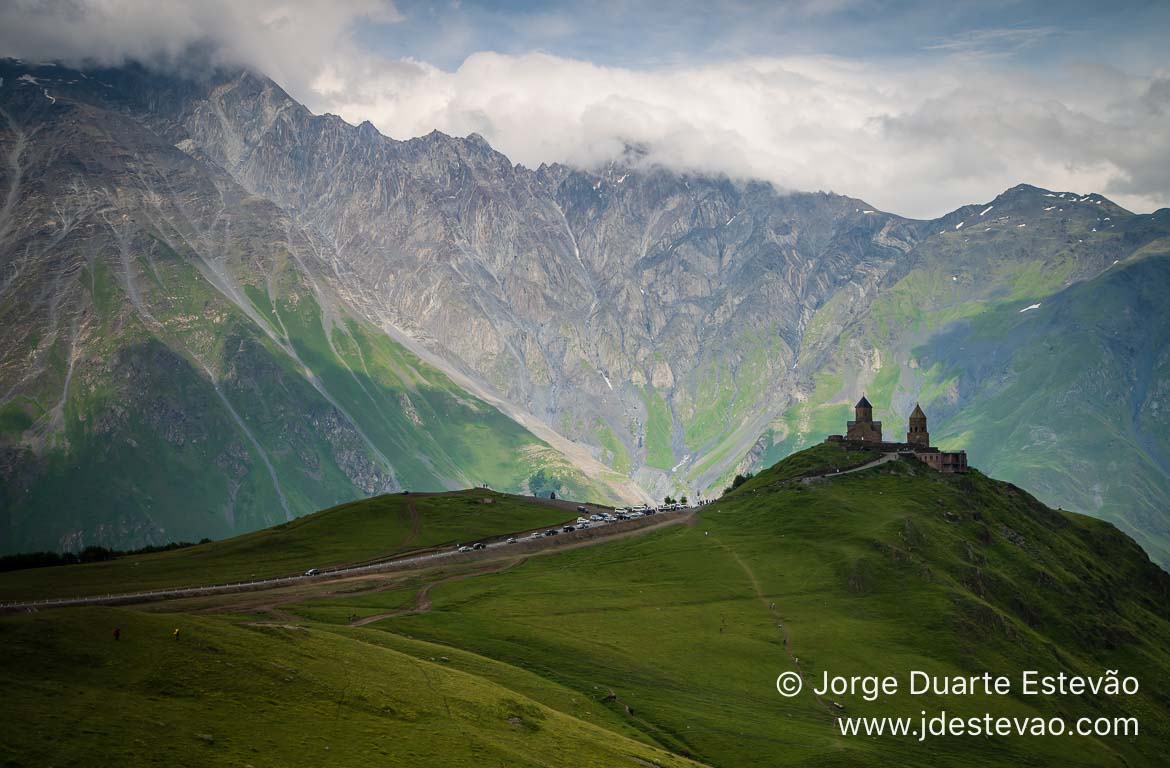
917, 106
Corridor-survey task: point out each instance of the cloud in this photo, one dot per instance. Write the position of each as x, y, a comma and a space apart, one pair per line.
286, 39
915, 140
993, 42
918, 135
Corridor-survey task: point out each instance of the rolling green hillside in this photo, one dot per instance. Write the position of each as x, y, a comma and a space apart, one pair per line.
227, 694
670, 641
350, 533
876, 572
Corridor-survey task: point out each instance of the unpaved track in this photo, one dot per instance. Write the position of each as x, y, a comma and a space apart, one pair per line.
422, 600
770, 605
883, 459
495, 550
415, 524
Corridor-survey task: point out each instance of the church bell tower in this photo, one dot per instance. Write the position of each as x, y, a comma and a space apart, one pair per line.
863, 427
918, 434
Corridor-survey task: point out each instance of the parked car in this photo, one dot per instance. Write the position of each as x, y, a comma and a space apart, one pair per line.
583, 526
464, 548
479, 545
511, 540
581, 508
551, 532
313, 572
569, 528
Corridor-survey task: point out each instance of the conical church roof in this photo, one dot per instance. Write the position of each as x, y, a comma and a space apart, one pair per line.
863, 403
917, 414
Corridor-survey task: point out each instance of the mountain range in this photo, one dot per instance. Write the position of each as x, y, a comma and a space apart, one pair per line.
222, 311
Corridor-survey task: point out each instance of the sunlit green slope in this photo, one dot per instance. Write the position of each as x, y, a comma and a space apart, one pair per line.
1036, 342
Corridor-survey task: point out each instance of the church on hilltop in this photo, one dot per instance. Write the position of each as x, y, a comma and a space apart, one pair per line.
865, 434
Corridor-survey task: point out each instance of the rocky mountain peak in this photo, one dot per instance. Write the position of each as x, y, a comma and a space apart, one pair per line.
653, 326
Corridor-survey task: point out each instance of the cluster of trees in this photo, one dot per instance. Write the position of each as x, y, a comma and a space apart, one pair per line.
92, 554
738, 481
668, 500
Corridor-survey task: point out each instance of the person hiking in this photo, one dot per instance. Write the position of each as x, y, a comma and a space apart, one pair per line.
117, 633
175, 634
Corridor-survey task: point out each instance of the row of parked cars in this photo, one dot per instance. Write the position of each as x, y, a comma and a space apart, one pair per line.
586, 521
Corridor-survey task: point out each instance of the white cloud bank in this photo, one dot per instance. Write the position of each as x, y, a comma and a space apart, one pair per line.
911, 139
917, 142
289, 40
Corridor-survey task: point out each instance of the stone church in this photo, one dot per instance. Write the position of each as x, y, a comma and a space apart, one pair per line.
865, 434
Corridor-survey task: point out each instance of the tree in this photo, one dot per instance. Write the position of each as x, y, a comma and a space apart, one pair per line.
668, 500
683, 500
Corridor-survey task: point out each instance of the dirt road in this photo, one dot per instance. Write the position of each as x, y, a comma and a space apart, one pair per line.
493, 550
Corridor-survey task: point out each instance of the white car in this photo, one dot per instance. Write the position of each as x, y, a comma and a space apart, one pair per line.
313, 572
511, 540
464, 548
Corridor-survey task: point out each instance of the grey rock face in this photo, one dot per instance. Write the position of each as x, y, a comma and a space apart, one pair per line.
569, 294
673, 326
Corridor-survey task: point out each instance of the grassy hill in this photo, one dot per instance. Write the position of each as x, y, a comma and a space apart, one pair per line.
235, 694
877, 572
668, 642
348, 533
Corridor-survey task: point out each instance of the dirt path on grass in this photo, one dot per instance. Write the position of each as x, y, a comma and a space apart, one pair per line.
885, 458
415, 524
770, 605
422, 600
422, 604
274, 606
496, 549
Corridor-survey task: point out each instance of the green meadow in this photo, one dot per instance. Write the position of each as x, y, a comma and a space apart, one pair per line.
652, 649
369, 529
